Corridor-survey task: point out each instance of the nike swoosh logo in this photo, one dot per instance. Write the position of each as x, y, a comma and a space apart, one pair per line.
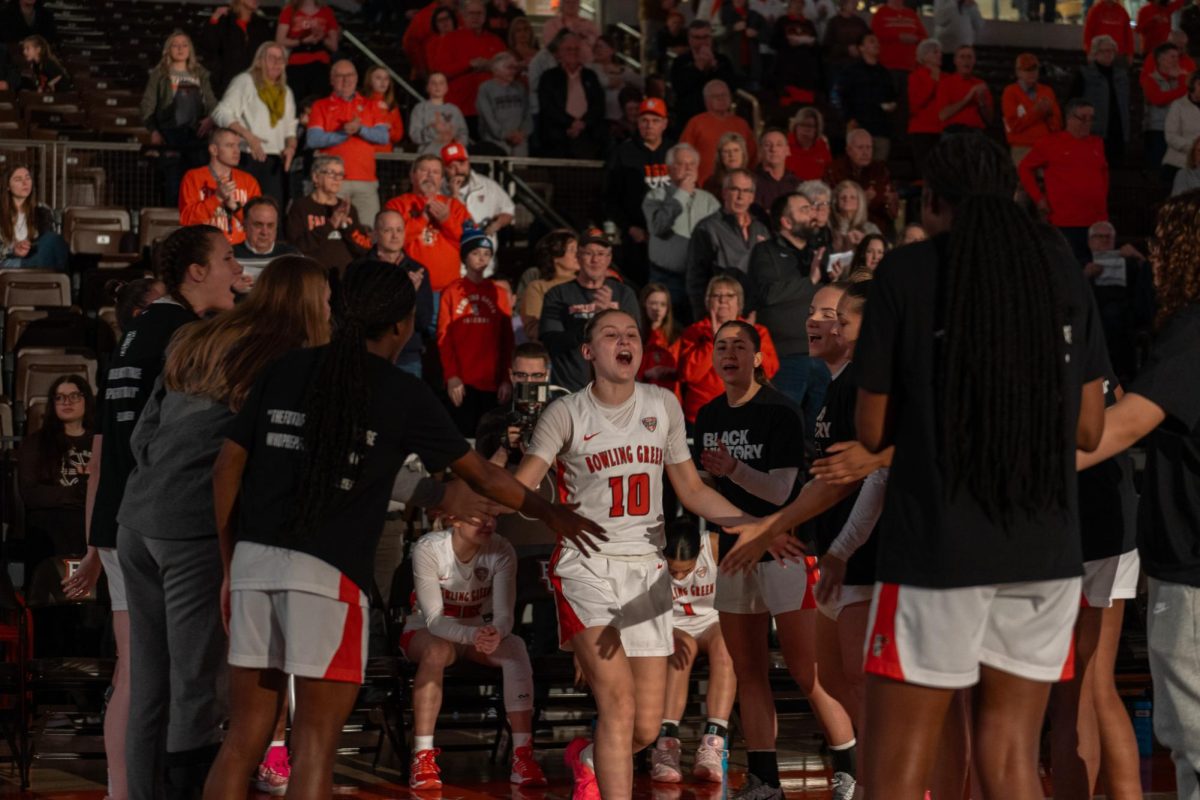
591, 436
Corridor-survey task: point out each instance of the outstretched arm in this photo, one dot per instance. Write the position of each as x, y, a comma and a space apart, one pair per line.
1125, 422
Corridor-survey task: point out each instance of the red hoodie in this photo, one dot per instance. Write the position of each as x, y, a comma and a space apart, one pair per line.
698, 381
474, 333
1075, 174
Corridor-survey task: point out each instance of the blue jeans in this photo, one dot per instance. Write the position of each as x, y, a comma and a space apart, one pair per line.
804, 379
49, 251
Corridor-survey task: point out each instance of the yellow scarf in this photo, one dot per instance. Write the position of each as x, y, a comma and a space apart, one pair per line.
274, 95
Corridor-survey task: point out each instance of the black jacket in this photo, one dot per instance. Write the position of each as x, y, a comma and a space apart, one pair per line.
628, 176
688, 84
781, 291
227, 50
13, 27
862, 90
424, 310
553, 120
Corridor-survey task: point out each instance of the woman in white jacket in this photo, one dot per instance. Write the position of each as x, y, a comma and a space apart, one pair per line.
1181, 129
259, 107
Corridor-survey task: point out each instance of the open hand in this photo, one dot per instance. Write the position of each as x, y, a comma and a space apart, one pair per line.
584, 534
847, 462
718, 463
829, 584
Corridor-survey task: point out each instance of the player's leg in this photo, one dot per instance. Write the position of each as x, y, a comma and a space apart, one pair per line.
513, 660
746, 639
904, 723
797, 641
709, 763
275, 770
432, 655
1008, 717
609, 674
256, 695
1075, 737
1119, 763
322, 708
665, 760
650, 685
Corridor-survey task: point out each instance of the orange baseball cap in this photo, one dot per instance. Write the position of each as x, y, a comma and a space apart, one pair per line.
453, 152
653, 105
1027, 61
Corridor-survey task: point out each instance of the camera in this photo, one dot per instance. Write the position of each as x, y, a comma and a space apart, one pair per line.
528, 400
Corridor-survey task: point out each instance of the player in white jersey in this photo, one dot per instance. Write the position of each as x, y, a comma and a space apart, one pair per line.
691, 558
462, 608
612, 441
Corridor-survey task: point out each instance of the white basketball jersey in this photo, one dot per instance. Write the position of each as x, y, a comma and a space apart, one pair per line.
694, 594
466, 588
616, 474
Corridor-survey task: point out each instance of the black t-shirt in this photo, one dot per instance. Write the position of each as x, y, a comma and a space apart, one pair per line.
403, 417
1108, 501
926, 538
835, 423
1169, 515
766, 433
132, 371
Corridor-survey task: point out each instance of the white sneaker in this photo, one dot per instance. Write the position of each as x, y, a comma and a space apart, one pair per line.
709, 755
664, 761
843, 785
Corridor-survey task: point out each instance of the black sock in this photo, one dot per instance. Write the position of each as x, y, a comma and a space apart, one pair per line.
845, 760
715, 729
669, 729
764, 765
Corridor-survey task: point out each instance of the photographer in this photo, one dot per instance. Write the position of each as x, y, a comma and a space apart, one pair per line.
500, 437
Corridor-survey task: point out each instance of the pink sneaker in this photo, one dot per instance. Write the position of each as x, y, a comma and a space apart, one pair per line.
664, 761
274, 772
707, 766
585, 777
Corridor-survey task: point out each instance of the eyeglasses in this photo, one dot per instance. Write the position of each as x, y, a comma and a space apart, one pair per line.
740, 190
819, 206
536, 377
335, 175
64, 399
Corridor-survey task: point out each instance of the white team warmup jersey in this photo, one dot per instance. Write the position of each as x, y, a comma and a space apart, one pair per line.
614, 470
693, 609
452, 597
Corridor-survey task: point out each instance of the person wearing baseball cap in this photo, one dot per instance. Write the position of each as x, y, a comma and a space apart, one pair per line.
637, 165
487, 203
475, 335
1030, 108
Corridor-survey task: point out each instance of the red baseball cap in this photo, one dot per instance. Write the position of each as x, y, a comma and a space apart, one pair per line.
653, 105
453, 152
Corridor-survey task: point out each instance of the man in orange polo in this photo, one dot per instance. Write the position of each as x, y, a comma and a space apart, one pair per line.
216, 194
346, 125
1030, 108
704, 131
433, 223
465, 56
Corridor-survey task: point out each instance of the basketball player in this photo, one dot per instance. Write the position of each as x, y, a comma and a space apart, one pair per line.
692, 560
612, 442
466, 586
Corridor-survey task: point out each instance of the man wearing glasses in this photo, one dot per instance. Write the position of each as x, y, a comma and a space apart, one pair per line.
1073, 191
721, 243
323, 225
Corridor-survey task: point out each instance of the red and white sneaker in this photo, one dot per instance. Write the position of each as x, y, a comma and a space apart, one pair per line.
664, 761
585, 777
710, 754
273, 773
424, 772
525, 771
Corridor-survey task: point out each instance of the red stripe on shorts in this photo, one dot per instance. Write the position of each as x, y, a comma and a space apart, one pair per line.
569, 623
883, 657
812, 576
1068, 671
347, 664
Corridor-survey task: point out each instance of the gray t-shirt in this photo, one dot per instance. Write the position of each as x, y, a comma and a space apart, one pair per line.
565, 314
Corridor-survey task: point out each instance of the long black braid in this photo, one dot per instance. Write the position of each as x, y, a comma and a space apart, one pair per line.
1000, 373
374, 297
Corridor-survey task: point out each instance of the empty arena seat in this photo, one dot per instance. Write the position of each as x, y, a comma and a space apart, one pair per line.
37, 371
100, 219
15, 323
155, 224
34, 289
35, 415
93, 242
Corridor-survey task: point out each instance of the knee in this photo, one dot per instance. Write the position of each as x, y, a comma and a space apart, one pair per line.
438, 655
618, 706
645, 733
805, 675
719, 659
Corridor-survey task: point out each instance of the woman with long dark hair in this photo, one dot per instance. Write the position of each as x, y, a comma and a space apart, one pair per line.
52, 470
197, 267
1163, 405
556, 261
27, 235
310, 461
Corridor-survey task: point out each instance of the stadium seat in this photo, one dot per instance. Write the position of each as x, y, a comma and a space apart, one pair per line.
35, 415
6, 423
15, 323
155, 224
34, 289
36, 371
89, 241
100, 219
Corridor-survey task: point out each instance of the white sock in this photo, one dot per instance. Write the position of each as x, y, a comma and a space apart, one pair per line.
277, 743
588, 756
521, 739
422, 743
844, 746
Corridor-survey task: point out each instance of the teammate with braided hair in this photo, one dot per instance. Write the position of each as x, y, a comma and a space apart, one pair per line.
310, 462
981, 359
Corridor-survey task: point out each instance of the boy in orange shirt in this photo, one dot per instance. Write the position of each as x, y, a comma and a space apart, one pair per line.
475, 336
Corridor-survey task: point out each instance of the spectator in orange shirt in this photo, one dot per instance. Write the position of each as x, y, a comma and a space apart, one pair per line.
809, 154
378, 88
475, 336
924, 123
704, 131
1030, 108
433, 223
217, 194
1161, 86
899, 30
1109, 17
348, 126
1154, 23
964, 100
698, 379
310, 32
418, 33
464, 55
1186, 62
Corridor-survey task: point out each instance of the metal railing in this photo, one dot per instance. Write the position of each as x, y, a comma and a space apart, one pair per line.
374, 59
